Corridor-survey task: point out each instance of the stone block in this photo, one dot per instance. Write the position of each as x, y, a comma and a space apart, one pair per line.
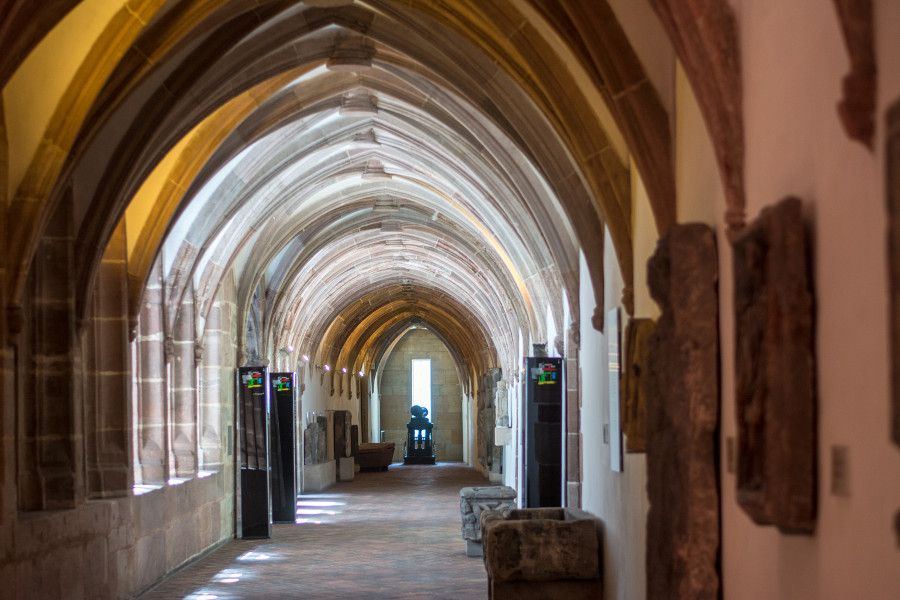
346, 468
319, 476
475, 500
503, 436
775, 371
149, 559
682, 418
573, 494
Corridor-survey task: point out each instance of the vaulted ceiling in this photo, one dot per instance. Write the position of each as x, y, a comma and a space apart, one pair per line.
358, 167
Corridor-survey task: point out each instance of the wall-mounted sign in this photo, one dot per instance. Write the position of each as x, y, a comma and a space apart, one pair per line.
282, 383
252, 379
545, 374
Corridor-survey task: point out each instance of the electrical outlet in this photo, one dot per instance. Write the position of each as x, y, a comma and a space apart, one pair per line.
840, 471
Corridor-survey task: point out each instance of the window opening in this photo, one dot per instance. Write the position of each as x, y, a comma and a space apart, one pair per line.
421, 384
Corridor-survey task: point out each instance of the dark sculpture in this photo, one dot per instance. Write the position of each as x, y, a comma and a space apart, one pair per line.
419, 447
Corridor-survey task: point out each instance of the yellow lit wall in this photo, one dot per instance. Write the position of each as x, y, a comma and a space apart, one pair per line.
34, 91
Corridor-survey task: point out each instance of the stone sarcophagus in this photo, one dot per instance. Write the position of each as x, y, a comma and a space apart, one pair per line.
475, 500
683, 418
775, 376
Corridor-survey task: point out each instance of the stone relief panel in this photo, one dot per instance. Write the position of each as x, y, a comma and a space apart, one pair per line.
775, 372
634, 395
683, 418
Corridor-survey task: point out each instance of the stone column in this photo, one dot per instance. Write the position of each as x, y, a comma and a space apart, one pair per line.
573, 417
184, 400
152, 383
108, 377
50, 462
209, 383
7, 359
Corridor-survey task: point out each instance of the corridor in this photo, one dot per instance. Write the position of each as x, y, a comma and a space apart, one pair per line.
383, 535
637, 258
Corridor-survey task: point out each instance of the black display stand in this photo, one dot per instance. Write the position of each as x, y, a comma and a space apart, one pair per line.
543, 431
283, 443
253, 445
419, 446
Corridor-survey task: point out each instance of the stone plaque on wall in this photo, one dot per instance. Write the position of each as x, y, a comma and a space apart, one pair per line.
683, 418
774, 371
634, 374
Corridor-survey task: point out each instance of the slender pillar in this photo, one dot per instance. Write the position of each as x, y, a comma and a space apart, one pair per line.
152, 383
50, 458
108, 382
573, 418
184, 399
214, 342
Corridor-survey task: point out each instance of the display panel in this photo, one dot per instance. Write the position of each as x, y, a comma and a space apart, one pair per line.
283, 449
543, 431
253, 438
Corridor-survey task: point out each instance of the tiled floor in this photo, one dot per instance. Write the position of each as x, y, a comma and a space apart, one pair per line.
384, 535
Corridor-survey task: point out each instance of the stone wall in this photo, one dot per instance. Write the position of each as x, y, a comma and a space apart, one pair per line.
446, 394
114, 542
115, 548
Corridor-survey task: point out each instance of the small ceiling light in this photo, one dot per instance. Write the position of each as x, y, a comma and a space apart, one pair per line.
344, 370
305, 358
290, 349
362, 374
327, 368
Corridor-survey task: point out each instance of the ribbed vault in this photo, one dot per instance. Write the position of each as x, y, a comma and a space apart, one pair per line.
354, 167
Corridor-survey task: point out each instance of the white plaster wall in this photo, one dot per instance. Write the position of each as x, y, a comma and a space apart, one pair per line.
643, 245
317, 393
794, 60
617, 498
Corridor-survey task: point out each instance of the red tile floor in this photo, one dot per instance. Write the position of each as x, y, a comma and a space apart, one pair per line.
384, 535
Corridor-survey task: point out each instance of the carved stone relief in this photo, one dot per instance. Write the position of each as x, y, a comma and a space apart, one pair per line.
775, 377
501, 404
683, 418
475, 500
634, 396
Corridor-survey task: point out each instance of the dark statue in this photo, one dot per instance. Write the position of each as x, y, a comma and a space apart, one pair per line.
419, 446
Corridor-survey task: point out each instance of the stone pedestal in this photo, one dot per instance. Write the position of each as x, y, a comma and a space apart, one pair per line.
475, 500
318, 477
346, 468
503, 436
